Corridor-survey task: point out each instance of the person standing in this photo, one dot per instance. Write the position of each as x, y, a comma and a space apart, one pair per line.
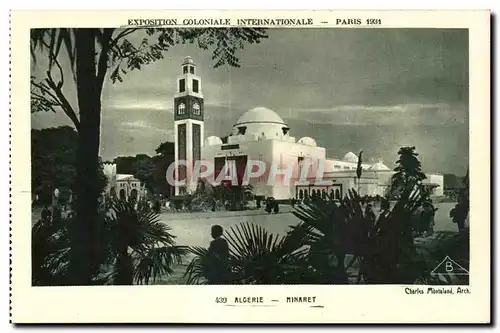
269, 205
218, 254
369, 214
55, 198
276, 208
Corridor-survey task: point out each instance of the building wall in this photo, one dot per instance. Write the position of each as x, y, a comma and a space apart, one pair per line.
436, 179
290, 154
125, 188
282, 154
384, 181
189, 144
333, 165
295, 156
254, 150
346, 180
371, 183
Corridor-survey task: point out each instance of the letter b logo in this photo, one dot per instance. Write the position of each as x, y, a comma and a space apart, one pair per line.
449, 267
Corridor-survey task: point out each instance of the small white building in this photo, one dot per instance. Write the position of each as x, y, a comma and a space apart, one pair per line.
375, 180
260, 134
122, 186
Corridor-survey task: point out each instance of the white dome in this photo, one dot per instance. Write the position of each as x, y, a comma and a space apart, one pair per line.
213, 140
351, 157
188, 61
307, 141
379, 167
261, 123
260, 115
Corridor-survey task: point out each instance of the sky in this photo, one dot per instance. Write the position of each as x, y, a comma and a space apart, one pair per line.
351, 89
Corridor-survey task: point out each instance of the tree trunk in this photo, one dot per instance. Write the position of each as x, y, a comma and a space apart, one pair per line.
87, 191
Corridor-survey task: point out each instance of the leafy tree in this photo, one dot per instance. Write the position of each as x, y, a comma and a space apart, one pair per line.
151, 171
165, 149
165, 155
90, 53
144, 171
408, 171
125, 164
460, 212
140, 166
451, 181
53, 162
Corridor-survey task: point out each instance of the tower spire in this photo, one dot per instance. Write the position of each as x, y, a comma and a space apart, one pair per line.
189, 123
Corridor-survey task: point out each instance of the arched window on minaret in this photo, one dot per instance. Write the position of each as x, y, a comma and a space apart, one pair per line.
196, 109
181, 109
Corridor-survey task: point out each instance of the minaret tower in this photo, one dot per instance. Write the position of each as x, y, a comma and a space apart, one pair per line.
188, 119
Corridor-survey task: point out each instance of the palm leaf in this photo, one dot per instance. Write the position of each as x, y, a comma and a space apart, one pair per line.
255, 257
196, 272
139, 231
158, 262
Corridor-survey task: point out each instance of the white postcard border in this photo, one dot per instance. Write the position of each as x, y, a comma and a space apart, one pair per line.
196, 304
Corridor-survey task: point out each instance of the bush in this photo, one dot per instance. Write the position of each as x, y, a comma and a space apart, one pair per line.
131, 246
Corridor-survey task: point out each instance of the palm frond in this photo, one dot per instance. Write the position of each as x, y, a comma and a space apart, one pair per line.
139, 229
196, 271
384, 248
255, 257
158, 262
247, 240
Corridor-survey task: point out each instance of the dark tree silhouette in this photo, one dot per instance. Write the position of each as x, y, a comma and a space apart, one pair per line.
460, 212
140, 166
408, 171
90, 53
53, 162
165, 155
451, 181
149, 170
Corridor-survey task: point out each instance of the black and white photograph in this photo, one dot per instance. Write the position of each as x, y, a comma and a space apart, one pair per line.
250, 156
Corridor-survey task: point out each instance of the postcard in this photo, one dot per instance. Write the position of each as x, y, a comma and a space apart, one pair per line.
250, 167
